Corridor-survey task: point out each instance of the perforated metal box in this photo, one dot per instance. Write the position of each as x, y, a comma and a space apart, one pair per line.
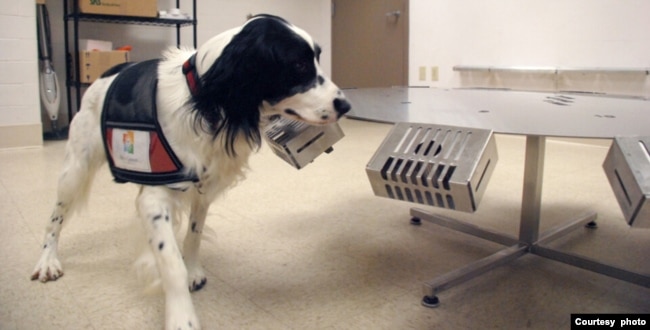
443, 166
299, 143
627, 167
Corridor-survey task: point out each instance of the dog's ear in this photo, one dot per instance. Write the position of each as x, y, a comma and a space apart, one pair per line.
231, 94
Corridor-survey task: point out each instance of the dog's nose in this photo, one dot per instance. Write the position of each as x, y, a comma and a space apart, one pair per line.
341, 106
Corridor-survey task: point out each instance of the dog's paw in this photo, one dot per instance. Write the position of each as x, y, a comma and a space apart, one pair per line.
198, 284
47, 269
196, 278
180, 314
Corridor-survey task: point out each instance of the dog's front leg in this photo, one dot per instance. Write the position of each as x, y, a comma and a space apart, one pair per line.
196, 275
155, 206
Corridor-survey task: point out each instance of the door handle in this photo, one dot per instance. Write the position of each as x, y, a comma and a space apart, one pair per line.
395, 14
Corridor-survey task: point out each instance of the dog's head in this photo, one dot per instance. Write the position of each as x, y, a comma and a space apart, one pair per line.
266, 67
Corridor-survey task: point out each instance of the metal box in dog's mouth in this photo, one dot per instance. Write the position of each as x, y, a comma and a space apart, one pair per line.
299, 143
436, 165
627, 167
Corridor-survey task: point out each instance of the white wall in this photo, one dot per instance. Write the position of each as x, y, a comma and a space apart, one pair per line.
564, 33
20, 121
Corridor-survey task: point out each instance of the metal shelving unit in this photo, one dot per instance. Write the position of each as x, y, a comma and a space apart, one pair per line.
72, 15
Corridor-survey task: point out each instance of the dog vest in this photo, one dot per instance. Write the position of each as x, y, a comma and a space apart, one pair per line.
135, 145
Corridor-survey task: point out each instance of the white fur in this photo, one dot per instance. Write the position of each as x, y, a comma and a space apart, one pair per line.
159, 207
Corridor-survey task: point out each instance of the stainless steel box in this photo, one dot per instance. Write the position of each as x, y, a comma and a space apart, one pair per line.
436, 165
299, 143
627, 167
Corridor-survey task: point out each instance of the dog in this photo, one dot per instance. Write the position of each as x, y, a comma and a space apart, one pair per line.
211, 105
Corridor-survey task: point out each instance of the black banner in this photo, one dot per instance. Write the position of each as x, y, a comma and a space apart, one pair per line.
610, 321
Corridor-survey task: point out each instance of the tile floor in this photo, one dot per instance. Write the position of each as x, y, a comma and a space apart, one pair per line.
314, 249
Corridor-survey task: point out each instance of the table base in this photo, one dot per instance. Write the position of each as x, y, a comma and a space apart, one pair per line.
515, 249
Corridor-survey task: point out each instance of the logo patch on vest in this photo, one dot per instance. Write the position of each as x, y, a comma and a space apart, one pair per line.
130, 150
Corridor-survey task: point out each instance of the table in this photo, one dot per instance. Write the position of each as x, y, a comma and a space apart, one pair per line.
535, 115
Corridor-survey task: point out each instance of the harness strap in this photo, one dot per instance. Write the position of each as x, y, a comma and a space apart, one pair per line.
192, 75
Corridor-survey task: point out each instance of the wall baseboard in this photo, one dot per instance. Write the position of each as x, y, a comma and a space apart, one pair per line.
21, 136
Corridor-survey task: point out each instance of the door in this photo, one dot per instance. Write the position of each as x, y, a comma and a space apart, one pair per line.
370, 43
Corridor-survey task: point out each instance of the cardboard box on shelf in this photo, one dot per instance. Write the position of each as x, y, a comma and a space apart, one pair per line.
140, 8
92, 64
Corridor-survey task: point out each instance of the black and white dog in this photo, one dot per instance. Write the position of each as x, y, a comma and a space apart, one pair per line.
211, 104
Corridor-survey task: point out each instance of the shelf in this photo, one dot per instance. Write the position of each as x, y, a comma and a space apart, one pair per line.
550, 70
621, 70
72, 83
531, 69
153, 21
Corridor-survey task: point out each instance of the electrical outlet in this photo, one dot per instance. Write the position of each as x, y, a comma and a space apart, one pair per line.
423, 73
434, 73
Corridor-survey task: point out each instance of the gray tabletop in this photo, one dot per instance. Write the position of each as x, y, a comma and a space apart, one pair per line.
509, 112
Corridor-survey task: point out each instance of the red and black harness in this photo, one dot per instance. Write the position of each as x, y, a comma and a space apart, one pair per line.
133, 138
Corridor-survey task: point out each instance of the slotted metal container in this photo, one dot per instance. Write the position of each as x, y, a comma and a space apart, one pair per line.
299, 143
436, 165
627, 167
